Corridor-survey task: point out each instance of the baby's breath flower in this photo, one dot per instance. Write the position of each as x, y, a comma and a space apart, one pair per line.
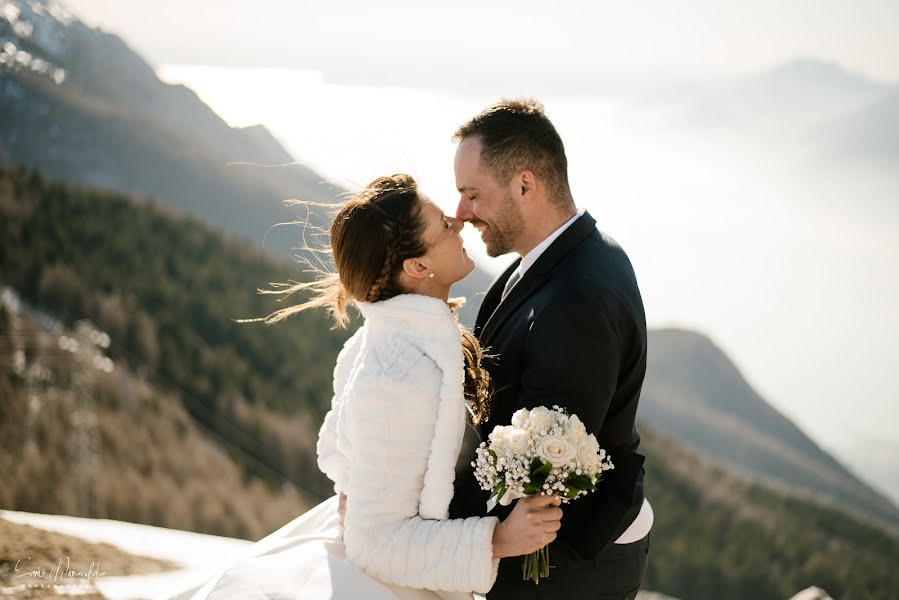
503, 463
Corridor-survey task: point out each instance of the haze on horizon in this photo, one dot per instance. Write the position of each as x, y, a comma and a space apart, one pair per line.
457, 44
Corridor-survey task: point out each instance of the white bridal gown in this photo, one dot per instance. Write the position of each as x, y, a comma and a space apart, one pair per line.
305, 559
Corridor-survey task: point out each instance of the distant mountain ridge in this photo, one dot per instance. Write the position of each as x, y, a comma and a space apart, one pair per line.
94, 112
695, 394
806, 85
870, 132
834, 116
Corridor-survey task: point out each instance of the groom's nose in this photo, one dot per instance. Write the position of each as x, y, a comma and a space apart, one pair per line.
463, 211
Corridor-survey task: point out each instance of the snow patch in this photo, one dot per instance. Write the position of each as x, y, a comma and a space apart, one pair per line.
39, 26
201, 555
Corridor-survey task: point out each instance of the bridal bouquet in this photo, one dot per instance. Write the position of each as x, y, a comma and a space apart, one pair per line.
543, 450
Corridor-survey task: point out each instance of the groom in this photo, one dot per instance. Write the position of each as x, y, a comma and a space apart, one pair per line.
566, 326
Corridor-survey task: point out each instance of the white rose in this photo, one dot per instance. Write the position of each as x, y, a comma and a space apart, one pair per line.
498, 438
518, 440
575, 429
521, 418
556, 449
541, 418
586, 455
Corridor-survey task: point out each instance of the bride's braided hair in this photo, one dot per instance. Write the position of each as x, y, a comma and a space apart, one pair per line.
402, 232
371, 235
380, 284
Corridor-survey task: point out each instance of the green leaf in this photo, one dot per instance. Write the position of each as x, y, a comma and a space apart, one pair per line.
543, 470
571, 492
499, 489
581, 482
538, 476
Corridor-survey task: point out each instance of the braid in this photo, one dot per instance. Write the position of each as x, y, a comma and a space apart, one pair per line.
403, 242
378, 286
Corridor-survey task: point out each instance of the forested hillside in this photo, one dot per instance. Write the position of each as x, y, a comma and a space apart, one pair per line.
83, 435
167, 289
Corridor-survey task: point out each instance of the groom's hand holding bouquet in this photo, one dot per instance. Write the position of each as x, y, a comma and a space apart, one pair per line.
545, 455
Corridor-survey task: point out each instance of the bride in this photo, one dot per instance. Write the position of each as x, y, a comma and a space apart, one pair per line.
407, 386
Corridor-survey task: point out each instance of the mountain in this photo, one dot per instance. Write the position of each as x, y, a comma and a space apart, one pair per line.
879, 458
803, 119
866, 135
695, 394
787, 99
804, 89
190, 420
167, 288
83, 107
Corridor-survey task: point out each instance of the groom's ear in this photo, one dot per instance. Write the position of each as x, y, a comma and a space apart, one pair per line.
525, 184
413, 267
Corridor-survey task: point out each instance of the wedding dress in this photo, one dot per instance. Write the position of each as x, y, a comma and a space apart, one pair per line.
304, 559
392, 442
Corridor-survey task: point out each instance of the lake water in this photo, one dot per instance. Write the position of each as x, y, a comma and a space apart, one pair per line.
790, 269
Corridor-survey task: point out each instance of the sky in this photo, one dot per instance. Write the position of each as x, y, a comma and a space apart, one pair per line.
469, 41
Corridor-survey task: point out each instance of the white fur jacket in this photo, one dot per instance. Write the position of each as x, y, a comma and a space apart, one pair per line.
391, 441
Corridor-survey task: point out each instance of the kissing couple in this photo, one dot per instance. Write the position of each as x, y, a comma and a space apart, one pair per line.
415, 393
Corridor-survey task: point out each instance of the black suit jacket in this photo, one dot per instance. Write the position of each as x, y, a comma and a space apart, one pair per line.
572, 332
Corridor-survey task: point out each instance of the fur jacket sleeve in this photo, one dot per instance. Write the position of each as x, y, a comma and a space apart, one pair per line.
391, 442
333, 452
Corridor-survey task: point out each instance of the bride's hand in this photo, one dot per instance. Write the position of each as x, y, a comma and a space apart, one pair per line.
532, 525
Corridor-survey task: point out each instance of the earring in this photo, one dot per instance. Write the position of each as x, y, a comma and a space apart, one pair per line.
431, 275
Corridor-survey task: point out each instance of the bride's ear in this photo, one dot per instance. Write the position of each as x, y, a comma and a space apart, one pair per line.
415, 268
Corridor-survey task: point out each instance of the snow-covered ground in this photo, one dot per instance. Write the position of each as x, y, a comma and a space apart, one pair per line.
201, 555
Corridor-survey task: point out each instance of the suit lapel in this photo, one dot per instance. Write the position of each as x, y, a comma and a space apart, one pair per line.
532, 280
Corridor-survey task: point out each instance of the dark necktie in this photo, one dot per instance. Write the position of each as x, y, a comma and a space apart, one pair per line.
510, 283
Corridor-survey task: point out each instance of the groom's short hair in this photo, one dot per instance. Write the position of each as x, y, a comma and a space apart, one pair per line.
515, 134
